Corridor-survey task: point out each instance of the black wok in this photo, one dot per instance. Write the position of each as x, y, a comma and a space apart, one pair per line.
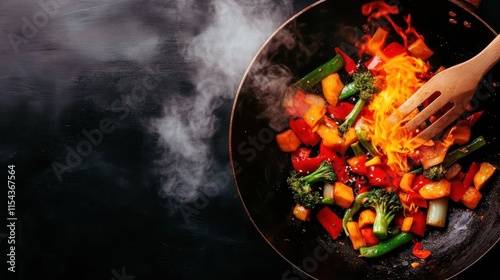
260, 168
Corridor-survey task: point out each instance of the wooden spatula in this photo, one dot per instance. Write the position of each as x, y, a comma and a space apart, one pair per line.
456, 85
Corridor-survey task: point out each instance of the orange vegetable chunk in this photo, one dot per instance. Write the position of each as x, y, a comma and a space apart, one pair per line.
288, 141
343, 195
471, 197
435, 190
301, 212
355, 235
332, 86
366, 218
486, 170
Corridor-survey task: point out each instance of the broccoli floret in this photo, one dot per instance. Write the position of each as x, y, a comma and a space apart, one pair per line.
386, 205
365, 84
435, 173
301, 186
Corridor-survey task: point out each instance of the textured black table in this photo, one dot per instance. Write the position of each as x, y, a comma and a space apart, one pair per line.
115, 115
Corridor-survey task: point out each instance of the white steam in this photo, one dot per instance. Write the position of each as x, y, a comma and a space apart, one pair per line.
220, 54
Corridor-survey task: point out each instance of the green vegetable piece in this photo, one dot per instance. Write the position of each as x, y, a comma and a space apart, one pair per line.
348, 90
301, 186
313, 78
452, 157
435, 173
365, 84
386, 205
363, 140
386, 246
349, 213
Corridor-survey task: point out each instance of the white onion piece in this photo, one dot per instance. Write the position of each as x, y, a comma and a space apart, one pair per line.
437, 211
328, 190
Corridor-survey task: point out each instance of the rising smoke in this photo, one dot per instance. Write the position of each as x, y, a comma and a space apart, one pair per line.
221, 52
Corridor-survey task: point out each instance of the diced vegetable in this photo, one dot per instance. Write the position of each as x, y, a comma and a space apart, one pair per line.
437, 212
329, 134
471, 173
369, 236
419, 252
357, 239
453, 171
302, 163
349, 64
288, 141
341, 110
435, 190
366, 218
301, 212
406, 182
486, 170
330, 221
316, 111
386, 246
458, 190
343, 195
332, 86
420, 50
471, 197
407, 222
304, 132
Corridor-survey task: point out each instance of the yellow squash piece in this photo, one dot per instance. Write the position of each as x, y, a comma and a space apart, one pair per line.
332, 86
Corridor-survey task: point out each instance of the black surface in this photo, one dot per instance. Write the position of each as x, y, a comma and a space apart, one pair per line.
113, 214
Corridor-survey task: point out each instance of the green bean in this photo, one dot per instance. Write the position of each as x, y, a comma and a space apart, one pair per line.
331, 66
386, 246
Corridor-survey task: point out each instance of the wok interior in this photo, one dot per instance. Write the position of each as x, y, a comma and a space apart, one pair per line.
261, 168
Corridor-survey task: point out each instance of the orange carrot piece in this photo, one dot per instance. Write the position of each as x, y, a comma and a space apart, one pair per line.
288, 141
355, 235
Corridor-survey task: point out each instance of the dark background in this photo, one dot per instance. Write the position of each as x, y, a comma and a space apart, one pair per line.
152, 197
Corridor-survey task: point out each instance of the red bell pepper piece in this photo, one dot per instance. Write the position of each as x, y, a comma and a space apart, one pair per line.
299, 106
302, 163
418, 225
415, 198
341, 110
391, 50
377, 176
357, 164
330, 221
469, 177
369, 236
419, 253
338, 162
472, 119
349, 64
419, 182
457, 190
304, 132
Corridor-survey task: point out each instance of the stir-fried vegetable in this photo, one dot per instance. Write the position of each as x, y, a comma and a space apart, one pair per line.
388, 194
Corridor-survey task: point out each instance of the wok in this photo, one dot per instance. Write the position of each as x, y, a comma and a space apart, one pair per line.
260, 168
